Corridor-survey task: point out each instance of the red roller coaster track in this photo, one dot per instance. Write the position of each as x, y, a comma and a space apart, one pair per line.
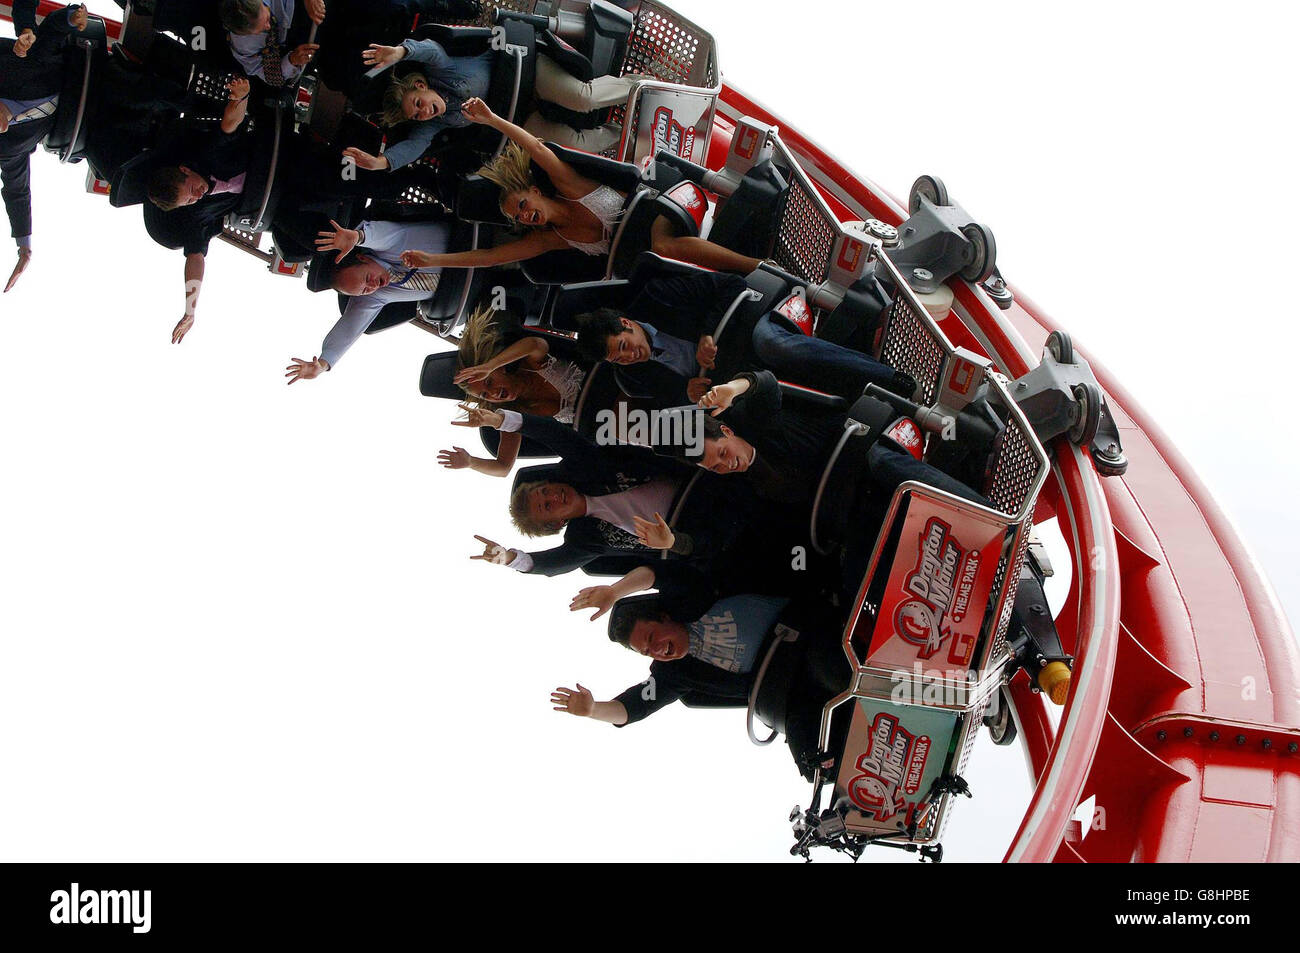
1184, 715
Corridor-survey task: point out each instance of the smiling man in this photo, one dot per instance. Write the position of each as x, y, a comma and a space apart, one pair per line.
198, 193
373, 278
260, 36
706, 643
673, 332
609, 501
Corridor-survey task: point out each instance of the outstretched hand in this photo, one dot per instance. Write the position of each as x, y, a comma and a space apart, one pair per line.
654, 534
380, 56
475, 110
575, 701
301, 370
182, 328
24, 259
600, 598
479, 417
341, 239
472, 375
718, 398
365, 160
494, 553
457, 458
418, 259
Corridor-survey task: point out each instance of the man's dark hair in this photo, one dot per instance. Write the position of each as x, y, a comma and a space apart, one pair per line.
165, 187
595, 328
240, 16
627, 614
682, 452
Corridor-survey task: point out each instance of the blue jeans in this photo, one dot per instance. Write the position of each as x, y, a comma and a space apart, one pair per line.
811, 362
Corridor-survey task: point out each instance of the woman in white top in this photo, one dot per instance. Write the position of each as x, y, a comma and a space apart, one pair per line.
578, 213
522, 376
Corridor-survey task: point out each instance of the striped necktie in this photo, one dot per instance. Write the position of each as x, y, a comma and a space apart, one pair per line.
39, 111
414, 280
271, 56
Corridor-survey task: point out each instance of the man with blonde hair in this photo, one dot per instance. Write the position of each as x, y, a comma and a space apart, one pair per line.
609, 501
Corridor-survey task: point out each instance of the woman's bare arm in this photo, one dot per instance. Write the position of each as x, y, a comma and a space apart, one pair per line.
566, 179
530, 246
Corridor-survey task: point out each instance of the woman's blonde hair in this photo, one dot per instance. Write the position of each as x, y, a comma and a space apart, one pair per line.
394, 110
511, 171
481, 341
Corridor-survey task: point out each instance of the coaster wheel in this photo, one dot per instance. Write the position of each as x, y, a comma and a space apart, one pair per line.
986, 253
929, 186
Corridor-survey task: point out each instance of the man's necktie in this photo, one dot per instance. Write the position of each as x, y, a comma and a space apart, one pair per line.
271, 56
414, 280
39, 111
234, 185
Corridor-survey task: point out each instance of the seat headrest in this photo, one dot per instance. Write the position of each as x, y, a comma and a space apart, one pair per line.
538, 473
436, 376
320, 272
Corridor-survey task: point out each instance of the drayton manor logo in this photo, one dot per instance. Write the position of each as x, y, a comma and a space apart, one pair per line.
941, 583
77, 906
890, 769
671, 135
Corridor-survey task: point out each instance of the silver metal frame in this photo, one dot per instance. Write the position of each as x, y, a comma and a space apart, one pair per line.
88, 46
825, 292
851, 428
626, 217
710, 53
747, 295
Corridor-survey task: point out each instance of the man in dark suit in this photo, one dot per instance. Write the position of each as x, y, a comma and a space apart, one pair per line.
197, 194
706, 638
610, 501
670, 345
31, 75
666, 336
783, 452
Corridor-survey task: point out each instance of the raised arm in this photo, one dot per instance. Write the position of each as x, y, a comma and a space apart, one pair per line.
530, 349
567, 181
356, 317
237, 108
578, 701
194, 267
458, 458
602, 598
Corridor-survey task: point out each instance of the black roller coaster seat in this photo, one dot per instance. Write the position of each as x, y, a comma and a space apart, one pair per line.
82, 58
574, 299
684, 205
264, 183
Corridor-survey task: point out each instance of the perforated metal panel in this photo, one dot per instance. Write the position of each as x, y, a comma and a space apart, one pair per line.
804, 240
670, 48
910, 347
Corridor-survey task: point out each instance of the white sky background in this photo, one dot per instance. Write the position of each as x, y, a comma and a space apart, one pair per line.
239, 620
